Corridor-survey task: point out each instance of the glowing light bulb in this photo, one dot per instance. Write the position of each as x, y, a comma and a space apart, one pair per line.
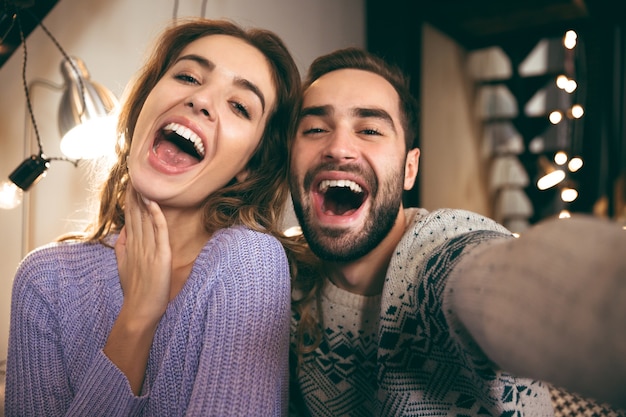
564, 214
560, 158
568, 195
551, 179
555, 117
91, 139
570, 86
577, 111
569, 40
575, 164
561, 81
10, 195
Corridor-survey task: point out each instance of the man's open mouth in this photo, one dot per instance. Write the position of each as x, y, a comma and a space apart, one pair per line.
178, 145
341, 197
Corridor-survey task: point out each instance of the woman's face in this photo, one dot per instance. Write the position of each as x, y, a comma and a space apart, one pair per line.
202, 122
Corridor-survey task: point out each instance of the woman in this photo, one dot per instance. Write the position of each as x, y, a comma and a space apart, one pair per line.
177, 301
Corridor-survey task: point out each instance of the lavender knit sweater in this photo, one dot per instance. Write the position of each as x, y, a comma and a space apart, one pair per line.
221, 348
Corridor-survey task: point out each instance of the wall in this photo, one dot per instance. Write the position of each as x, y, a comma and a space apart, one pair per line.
111, 36
452, 166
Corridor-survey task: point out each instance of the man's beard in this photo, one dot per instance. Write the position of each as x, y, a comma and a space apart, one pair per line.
344, 245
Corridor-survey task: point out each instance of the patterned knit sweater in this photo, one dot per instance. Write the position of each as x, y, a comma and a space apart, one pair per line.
404, 352
220, 349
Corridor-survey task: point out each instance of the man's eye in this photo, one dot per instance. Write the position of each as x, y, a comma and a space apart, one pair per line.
371, 132
313, 130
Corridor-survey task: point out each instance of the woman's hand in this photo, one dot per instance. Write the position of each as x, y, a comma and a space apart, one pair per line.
144, 258
144, 262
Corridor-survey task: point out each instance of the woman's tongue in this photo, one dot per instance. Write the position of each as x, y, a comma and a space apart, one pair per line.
170, 154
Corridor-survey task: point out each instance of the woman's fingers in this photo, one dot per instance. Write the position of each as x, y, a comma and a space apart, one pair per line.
120, 247
146, 223
136, 216
159, 232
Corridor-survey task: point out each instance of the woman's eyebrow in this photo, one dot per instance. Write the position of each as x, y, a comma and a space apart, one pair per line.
238, 81
202, 61
249, 85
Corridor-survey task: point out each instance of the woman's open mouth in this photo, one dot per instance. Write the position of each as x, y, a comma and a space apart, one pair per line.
179, 146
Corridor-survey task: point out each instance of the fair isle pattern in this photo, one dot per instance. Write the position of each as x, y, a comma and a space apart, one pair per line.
567, 404
456, 378
424, 366
344, 377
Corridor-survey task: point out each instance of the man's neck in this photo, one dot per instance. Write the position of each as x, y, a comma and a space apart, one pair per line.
366, 275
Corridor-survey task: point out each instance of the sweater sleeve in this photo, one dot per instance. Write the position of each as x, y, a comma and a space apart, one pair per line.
38, 382
550, 305
243, 365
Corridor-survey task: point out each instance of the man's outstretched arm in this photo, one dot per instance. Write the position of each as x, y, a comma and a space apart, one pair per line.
550, 305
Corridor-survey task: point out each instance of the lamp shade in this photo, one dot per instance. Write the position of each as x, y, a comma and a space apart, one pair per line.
84, 101
98, 100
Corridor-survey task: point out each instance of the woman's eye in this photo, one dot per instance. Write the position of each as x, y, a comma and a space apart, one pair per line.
241, 109
186, 78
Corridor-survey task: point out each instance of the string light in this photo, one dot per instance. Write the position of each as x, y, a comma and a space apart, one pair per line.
553, 175
568, 194
575, 164
555, 117
560, 158
565, 214
577, 111
10, 195
551, 179
570, 39
34, 167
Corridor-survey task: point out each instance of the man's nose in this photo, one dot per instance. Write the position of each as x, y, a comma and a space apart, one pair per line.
340, 146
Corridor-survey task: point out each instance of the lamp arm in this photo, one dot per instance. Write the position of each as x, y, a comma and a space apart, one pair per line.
65, 56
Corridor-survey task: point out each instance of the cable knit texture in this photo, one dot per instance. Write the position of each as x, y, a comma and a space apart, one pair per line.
221, 348
400, 354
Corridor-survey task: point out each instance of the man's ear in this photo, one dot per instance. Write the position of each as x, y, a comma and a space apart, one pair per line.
411, 167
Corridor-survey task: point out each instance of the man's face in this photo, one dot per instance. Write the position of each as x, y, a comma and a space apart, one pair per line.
348, 164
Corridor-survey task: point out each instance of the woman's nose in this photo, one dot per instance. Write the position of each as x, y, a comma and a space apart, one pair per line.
201, 102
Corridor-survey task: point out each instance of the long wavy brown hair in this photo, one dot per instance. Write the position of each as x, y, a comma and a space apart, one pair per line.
258, 201
309, 280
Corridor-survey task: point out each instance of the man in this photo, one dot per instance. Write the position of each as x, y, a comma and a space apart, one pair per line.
441, 313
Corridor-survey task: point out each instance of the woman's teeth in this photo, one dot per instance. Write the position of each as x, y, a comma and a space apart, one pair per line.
188, 134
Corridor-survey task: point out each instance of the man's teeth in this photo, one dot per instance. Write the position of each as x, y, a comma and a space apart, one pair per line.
324, 185
188, 134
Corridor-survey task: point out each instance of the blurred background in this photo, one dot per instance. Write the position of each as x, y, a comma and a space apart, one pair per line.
522, 102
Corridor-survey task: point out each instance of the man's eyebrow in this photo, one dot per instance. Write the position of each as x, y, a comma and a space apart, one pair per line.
374, 113
316, 111
240, 82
